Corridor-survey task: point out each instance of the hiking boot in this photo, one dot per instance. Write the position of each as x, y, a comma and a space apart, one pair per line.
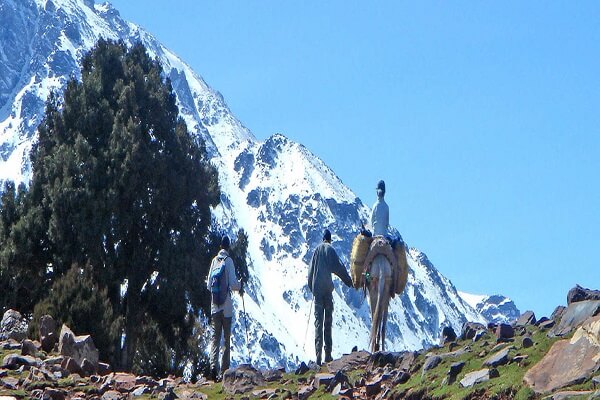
319, 361
328, 358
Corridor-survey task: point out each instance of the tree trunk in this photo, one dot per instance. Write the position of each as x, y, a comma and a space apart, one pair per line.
132, 322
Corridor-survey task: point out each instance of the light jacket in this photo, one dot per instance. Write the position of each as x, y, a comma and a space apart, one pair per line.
232, 282
380, 217
325, 262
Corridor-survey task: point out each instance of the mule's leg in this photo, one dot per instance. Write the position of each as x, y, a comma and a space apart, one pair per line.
386, 304
373, 303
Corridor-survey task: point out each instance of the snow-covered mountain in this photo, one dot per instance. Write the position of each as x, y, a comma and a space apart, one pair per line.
277, 190
495, 308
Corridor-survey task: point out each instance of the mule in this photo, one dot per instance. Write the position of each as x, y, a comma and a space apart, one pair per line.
379, 299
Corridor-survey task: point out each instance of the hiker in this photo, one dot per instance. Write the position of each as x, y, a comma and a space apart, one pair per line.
325, 262
221, 314
380, 216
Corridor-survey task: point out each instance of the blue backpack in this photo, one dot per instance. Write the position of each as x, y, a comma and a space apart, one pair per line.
219, 287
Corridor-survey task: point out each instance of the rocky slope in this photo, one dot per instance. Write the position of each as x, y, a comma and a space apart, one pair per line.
551, 358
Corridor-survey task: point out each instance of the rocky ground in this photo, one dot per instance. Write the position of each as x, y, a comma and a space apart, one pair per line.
556, 358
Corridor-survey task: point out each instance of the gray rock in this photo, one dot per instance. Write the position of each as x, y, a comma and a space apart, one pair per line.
499, 358
242, 379
112, 395
579, 293
527, 342
470, 329
475, 377
448, 335
401, 378
547, 324
54, 394
323, 379
527, 318
47, 332
479, 335
455, 369
373, 388
10, 383
15, 361
272, 375
571, 394
302, 369
140, 391
13, 326
72, 366
77, 347
504, 331
569, 361
28, 348
558, 313
431, 362
574, 316
349, 361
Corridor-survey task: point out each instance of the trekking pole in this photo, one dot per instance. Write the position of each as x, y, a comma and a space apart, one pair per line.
246, 325
308, 322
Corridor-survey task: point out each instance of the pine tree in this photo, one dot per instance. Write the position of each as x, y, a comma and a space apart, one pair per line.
119, 185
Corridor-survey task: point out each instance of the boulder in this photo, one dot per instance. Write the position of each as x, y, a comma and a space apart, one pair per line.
475, 377
431, 362
373, 388
568, 362
303, 368
470, 329
272, 375
579, 293
123, 382
242, 379
527, 318
54, 394
14, 361
558, 313
448, 335
13, 326
401, 378
72, 366
323, 379
455, 369
547, 324
408, 361
504, 331
28, 348
77, 347
349, 361
527, 342
574, 316
499, 358
47, 333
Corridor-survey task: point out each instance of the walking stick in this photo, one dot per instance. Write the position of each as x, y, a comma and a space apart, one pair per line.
246, 325
308, 322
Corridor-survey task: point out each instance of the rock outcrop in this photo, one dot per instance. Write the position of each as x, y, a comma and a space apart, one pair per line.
569, 361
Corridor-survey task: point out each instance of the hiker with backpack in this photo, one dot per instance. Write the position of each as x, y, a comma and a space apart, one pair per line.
221, 280
324, 263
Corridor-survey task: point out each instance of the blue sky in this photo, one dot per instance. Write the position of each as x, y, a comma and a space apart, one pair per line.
483, 119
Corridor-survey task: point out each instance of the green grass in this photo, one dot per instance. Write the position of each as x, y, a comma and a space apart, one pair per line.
509, 383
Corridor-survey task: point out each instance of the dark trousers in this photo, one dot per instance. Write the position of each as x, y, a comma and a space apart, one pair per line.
323, 321
221, 326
